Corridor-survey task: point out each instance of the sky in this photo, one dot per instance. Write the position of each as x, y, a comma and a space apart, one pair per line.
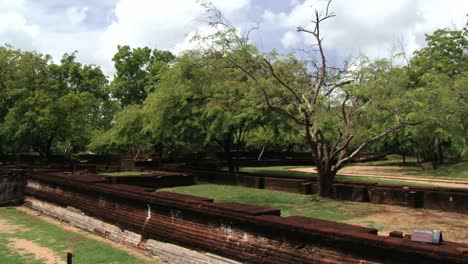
94, 28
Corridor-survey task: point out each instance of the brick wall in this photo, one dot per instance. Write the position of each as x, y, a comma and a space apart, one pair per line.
12, 184
247, 233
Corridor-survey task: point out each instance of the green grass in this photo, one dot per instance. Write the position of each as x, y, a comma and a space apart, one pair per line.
289, 203
391, 160
123, 173
453, 171
34, 229
382, 181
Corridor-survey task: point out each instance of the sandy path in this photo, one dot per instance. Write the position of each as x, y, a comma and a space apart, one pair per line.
8, 228
25, 247
132, 251
390, 173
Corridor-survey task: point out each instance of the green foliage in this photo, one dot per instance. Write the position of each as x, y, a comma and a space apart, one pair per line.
137, 72
126, 135
48, 107
214, 106
439, 73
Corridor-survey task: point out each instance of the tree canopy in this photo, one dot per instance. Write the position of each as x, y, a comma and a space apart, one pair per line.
227, 95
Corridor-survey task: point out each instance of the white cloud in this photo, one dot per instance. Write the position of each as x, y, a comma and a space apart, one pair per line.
76, 15
14, 26
159, 24
370, 27
367, 26
290, 39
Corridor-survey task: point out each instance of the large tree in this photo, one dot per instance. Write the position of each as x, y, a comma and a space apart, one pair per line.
439, 76
324, 102
214, 106
137, 73
45, 111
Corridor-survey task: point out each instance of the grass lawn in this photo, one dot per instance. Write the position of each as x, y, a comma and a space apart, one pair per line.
289, 203
452, 171
20, 228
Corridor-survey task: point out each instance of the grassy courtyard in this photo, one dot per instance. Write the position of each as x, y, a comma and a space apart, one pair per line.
386, 218
27, 238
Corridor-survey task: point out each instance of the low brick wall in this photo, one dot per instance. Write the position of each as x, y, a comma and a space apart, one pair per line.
165, 251
247, 233
288, 185
156, 179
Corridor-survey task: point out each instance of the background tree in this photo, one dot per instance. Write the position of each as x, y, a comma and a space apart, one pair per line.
45, 113
439, 75
137, 72
126, 135
9, 59
214, 106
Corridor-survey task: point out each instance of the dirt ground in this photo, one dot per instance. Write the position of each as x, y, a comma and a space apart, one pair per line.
26, 247
391, 173
7, 228
387, 218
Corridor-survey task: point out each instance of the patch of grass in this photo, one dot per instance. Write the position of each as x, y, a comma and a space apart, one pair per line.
382, 181
390, 160
85, 250
289, 203
453, 171
123, 173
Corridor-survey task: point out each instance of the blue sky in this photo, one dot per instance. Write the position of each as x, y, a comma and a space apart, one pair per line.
95, 27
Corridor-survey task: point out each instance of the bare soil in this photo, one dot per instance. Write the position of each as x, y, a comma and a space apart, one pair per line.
387, 218
8, 228
390, 173
25, 247
132, 251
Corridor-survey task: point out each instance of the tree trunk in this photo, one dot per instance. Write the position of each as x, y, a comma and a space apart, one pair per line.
230, 161
237, 157
404, 158
228, 154
325, 176
325, 182
441, 154
261, 153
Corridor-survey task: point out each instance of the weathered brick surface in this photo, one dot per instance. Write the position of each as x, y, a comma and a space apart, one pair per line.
12, 184
247, 233
287, 185
165, 251
156, 179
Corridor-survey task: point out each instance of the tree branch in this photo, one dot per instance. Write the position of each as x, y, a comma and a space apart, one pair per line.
340, 163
